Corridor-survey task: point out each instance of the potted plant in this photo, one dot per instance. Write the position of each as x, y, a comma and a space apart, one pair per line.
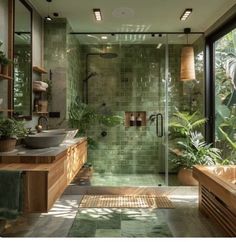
190, 148
10, 130
194, 151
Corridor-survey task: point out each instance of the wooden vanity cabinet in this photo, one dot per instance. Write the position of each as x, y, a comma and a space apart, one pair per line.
44, 183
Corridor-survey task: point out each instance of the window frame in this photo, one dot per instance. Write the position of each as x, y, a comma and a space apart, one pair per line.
210, 40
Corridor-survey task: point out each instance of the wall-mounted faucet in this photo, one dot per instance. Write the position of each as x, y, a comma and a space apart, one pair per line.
42, 123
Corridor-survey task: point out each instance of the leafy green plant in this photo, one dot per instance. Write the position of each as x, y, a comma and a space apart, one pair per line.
3, 59
184, 123
83, 117
11, 128
231, 154
190, 148
196, 152
231, 142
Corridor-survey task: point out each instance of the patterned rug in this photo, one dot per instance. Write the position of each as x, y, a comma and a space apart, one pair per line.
119, 222
124, 201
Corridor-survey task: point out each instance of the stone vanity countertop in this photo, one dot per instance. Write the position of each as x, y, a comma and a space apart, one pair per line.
21, 154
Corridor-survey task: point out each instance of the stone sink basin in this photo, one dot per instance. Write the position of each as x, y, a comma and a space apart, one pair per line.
44, 140
70, 133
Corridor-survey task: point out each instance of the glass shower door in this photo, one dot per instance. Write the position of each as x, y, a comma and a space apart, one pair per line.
132, 84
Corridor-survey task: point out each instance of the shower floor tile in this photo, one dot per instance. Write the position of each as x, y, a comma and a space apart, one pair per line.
106, 179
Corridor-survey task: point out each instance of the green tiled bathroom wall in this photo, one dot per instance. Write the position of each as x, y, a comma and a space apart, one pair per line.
73, 68
61, 56
132, 82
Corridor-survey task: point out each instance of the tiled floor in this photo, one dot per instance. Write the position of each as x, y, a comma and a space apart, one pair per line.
182, 221
106, 222
107, 179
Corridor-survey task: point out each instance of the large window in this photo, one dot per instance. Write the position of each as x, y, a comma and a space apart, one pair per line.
224, 52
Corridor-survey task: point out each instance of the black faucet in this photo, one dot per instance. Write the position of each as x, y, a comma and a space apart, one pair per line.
43, 121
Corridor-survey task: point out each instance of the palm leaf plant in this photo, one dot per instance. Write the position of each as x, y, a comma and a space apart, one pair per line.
196, 152
184, 123
189, 146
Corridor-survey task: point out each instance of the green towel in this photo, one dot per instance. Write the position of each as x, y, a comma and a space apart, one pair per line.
11, 194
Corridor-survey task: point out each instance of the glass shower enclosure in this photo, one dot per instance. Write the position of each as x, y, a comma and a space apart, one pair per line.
135, 78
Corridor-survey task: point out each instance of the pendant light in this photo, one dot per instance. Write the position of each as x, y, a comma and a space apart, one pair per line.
48, 18
187, 67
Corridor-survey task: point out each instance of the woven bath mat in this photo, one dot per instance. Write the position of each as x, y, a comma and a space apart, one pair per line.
124, 201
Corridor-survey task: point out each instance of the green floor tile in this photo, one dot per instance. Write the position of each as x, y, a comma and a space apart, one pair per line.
108, 233
104, 222
83, 228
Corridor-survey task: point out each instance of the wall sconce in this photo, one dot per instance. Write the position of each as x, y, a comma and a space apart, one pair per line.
187, 67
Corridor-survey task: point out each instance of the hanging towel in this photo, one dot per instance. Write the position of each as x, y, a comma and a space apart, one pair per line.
11, 194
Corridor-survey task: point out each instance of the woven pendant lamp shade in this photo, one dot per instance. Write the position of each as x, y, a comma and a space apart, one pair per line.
187, 72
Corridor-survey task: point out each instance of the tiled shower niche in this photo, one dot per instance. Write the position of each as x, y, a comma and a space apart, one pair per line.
137, 119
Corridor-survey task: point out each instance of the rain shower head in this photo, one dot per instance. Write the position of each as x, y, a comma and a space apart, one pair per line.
108, 55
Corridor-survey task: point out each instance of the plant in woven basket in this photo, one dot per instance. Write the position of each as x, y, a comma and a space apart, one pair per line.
10, 130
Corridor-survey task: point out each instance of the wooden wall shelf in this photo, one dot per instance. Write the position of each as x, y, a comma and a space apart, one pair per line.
39, 70
40, 112
4, 77
7, 110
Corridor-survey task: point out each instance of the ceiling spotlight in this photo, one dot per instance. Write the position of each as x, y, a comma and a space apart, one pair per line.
48, 18
55, 14
153, 35
186, 14
97, 13
104, 37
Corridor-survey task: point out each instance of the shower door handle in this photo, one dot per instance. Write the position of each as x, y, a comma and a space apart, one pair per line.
159, 125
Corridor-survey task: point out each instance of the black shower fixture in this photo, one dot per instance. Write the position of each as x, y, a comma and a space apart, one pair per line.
55, 14
103, 133
105, 55
108, 55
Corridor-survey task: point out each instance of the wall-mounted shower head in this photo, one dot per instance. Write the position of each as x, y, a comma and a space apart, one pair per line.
108, 55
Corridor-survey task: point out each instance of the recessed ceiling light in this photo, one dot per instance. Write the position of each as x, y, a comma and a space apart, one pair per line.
97, 14
103, 37
186, 14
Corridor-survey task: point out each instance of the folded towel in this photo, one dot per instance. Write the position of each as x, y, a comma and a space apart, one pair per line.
11, 194
42, 84
38, 88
